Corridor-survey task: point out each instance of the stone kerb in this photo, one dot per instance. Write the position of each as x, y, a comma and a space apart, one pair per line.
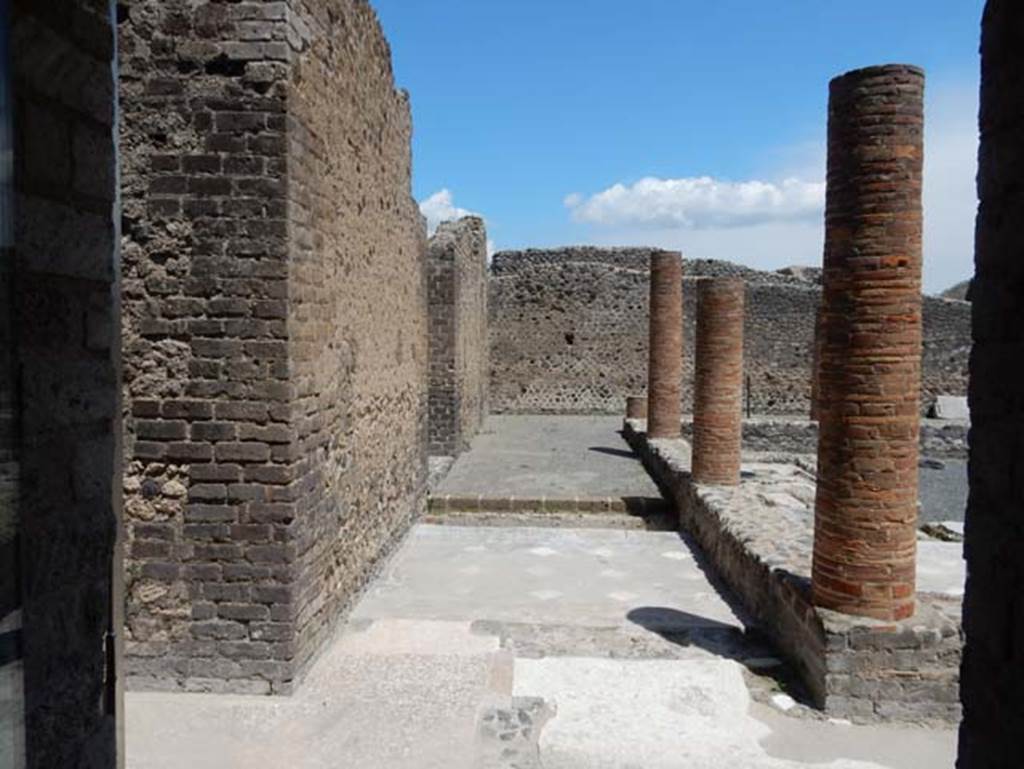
869, 383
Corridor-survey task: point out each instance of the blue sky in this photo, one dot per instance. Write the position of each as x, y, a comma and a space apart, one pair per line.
690, 125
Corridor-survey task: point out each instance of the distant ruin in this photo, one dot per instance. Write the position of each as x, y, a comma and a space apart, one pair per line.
569, 335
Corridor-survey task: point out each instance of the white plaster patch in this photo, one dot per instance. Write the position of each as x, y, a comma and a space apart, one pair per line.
546, 595
543, 552
783, 702
675, 555
602, 552
613, 574
623, 595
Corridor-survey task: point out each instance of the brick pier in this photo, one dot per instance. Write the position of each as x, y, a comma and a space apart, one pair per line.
718, 382
665, 365
870, 367
636, 407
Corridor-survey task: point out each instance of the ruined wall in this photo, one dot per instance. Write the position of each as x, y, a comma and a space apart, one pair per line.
569, 333
66, 350
992, 683
459, 370
357, 308
275, 331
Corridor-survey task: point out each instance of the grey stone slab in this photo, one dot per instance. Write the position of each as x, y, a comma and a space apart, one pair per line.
588, 577
951, 407
554, 456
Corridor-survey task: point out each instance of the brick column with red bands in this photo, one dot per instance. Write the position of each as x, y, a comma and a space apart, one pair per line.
665, 365
636, 407
718, 382
870, 370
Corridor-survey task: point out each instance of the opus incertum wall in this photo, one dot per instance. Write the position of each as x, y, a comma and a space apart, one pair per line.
992, 688
459, 371
568, 330
275, 331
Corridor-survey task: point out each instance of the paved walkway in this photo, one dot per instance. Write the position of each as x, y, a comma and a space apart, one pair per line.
549, 456
490, 647
486, 647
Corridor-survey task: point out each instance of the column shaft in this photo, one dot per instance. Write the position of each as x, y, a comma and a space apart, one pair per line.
870, 369
718, 382
665, 366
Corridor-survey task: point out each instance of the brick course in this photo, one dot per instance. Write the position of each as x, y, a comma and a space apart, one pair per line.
870, 366
718, 382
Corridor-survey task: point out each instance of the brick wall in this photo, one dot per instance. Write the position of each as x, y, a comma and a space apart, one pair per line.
569, 333
66, 346
459, 370
357, 309
275, 348
992, 688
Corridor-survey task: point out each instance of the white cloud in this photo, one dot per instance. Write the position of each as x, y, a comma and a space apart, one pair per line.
439, 207
768, 225
700, 203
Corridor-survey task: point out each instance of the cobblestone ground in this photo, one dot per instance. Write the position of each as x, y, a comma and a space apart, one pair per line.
512, 646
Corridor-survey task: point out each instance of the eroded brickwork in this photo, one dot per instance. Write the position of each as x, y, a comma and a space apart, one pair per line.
865, 533
992, 689
569, 333
275, 346
66, 332
357, 309
718, 382
459, 370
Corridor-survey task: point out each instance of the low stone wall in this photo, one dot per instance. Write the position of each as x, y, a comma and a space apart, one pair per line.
939, 438
759, 537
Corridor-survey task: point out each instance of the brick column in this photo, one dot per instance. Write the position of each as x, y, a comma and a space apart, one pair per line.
665, 365
870, 372
636, 407
718, 382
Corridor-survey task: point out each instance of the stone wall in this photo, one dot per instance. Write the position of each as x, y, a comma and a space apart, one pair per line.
357, 309
459, 370
993, 671
569, 333
275, 331
66, 346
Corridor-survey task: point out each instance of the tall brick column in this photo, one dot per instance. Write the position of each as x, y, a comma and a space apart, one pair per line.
992, 678
870, 369
665, 364
718, 382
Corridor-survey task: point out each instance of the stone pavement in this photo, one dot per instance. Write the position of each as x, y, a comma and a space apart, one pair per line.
502, 647
548, 456
524, 647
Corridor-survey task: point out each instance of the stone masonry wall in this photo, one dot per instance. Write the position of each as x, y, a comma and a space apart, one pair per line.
66, 346
569, 333
992, 689
357, 309
459, 370
275, 346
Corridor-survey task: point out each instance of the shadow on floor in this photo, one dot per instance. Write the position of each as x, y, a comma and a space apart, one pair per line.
748, 645
624, 453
